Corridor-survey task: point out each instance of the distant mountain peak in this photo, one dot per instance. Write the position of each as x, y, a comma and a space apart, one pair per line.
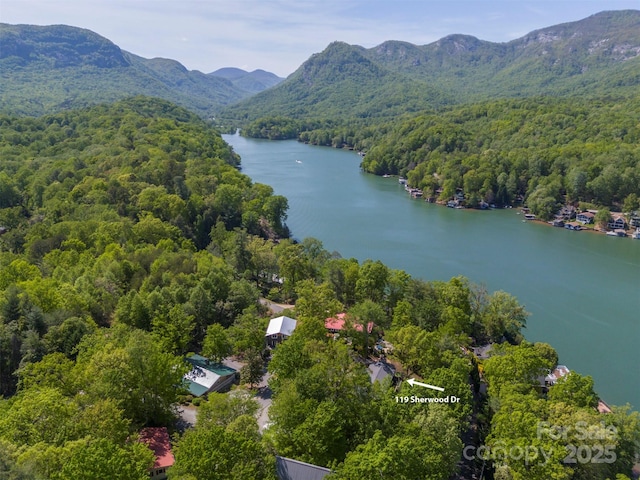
339, 61
230, 73
253, 82
458, 43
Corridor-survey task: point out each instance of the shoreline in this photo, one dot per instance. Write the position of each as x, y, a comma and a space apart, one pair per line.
583, 229
519, 209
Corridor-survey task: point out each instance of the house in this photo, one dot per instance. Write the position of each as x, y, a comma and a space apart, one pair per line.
634, 221
603, 407
557, 373
380, 370
415, 193
289, 469
279, 329
337, 324
207, 376
585, 217
157, 439
557, 222
567, 212
617, 222
573, 226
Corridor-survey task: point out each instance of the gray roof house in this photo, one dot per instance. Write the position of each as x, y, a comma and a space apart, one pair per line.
289, 469
378, 371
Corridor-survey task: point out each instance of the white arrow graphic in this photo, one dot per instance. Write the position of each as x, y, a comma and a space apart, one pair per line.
413, 381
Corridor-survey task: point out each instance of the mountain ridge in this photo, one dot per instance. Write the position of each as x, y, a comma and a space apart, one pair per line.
596, 55
44, 69
48, 68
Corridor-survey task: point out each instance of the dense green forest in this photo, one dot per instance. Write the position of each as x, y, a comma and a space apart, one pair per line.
549, 151
131, 238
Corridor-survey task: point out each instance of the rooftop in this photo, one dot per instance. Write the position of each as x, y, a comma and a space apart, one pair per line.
289, 469
557, 373
378, 371
157, 439
603, 407
337, 323
204, 374
204, 363
281, 325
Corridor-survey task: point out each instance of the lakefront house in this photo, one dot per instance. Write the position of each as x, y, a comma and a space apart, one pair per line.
617, 222
585, 217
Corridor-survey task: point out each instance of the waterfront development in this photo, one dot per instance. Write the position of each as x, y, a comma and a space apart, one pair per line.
582, 289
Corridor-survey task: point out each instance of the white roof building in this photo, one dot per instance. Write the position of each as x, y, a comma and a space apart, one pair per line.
279, 329
282, 326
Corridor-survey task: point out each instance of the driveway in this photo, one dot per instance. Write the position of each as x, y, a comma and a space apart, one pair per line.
275, 307
187, 417
263, 397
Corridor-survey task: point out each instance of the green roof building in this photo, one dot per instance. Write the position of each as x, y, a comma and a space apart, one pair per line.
207, 376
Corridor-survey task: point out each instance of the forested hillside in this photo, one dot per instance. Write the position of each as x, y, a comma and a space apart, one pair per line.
545, 150
130, 239
106, 281
98, 204
341, 83
52, 68
593, 57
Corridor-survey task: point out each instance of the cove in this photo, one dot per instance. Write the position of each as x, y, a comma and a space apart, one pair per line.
582, 289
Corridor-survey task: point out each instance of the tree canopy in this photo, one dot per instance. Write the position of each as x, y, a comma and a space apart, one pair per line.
131, 239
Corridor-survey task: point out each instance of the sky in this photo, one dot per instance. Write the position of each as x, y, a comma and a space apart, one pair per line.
280, 35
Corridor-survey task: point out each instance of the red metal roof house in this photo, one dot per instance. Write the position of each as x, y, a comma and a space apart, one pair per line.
157, 439
337, 324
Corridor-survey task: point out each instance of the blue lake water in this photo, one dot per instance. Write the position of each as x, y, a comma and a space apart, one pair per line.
582, 289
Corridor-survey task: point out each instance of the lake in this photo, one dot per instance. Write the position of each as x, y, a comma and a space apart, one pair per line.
582, 288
